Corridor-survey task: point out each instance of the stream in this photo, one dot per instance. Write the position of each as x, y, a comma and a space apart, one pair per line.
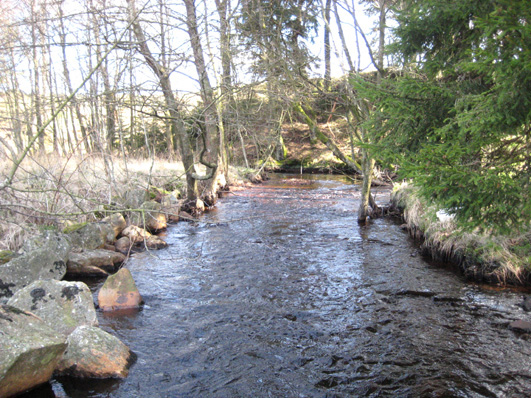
279, 293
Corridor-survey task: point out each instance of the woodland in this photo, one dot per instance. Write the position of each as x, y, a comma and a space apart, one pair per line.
436, 92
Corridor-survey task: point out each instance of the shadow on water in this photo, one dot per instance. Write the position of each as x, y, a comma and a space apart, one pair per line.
279, 293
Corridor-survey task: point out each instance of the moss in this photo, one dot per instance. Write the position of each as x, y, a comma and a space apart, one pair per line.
74, 227
43, 228
6, 256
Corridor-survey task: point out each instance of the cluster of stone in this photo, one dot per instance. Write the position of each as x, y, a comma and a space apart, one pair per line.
49, 326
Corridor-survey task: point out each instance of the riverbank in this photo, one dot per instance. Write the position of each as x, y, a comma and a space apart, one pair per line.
51, 193
480, 257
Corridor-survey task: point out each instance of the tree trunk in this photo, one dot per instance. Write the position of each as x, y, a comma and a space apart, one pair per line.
328, 141
327, 72
177, 124
342, 38
36, 93
213, 139
365, 209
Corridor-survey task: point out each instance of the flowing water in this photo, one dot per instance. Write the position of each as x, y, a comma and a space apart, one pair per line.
279, 293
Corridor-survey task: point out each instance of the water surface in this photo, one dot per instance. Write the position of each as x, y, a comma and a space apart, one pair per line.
279, 293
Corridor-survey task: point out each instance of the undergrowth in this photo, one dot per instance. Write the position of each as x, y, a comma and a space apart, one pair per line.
502, 259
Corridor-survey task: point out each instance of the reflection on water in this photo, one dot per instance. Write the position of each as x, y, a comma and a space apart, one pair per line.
279, 293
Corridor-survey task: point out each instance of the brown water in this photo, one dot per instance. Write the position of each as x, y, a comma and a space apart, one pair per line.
279, 293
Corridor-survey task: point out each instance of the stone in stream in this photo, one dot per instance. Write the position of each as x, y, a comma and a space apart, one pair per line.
29, 351
520, 326
43, 257
526, 305
119, 292
62, 305
94, 262
139, 235
151, 218
117, 223
94, 353
123, 245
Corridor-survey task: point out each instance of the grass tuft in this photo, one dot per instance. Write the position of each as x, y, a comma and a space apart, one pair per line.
498, 259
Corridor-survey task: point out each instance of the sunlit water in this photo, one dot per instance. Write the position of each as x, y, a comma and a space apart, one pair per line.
279, 293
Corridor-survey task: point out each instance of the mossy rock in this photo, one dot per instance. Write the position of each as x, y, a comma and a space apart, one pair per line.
74, 227
6, 256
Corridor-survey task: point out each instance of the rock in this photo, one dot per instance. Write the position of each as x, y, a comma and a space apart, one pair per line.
520, 326
94, 353
151, 219
199, 206
119, 292
43, 257
139, 235
123, 245
133, 199
91, 236
136, 234
6, 256
94, 262
526, 305
171, 208
154, 243
117, 223
62, 305
185, 216
29, 351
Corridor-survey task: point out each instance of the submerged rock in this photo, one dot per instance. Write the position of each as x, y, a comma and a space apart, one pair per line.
94, 353
94, 262
62, 305
29, 351
520, 326
526, 305
119, 292
43, 257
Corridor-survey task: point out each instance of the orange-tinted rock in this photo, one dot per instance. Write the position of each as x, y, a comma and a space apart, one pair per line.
94, 353
136, 234
119, 292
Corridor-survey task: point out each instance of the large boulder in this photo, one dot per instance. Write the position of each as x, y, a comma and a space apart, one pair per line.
29, 351
90, 236
151, 218
94, 353
117, 223
119, 292
62, 305
43, 257
93, 262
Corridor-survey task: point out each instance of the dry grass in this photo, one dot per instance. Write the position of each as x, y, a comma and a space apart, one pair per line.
48, 191
500, 259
